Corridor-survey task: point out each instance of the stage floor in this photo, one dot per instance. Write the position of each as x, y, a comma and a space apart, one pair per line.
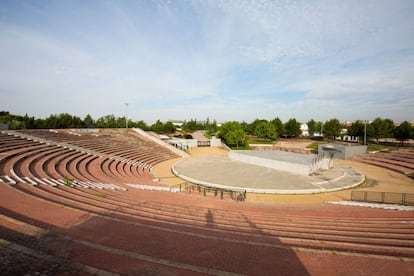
222, 172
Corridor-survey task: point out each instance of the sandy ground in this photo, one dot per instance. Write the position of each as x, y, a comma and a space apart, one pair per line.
377, 179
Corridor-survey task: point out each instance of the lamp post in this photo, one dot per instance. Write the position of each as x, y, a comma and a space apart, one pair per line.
365, 132
126, 116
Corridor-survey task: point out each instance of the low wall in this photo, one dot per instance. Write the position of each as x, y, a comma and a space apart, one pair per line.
161, 143
294, 168
341, 151
215, 142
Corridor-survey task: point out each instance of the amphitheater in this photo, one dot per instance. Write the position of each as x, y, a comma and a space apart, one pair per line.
106, 202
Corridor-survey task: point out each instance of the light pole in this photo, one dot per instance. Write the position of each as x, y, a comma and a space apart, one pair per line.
365, 132
126, 116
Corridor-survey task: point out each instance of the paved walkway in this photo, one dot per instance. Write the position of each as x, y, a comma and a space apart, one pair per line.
377, 179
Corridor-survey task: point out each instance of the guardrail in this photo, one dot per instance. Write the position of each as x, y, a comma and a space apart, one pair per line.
383, 197
234, 194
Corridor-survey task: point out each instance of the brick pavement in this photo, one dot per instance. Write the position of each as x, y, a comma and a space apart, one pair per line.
64, 231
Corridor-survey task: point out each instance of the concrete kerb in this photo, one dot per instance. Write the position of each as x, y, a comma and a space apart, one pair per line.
270, 191
332, 180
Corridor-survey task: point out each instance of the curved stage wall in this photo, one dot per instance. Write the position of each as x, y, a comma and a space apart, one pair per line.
283, 161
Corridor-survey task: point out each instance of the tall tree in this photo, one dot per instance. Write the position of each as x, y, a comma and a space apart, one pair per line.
381, 128
332, 129
108, 121
266, 130
279, 126
312, 127
168, 127
157, 126
292, 128
141, 124
357, 129
233, 134
211, 127
88, 122
403, 132
252, 126
192, 125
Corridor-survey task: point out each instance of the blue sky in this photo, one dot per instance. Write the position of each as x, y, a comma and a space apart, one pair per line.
226, 60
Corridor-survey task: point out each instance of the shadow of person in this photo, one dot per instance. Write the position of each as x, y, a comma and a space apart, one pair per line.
209, 219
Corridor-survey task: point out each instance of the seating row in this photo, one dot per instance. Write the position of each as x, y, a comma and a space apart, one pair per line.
152, 223
56, 182
44, 158
400, 160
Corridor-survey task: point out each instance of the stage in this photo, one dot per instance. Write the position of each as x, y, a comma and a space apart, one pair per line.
223, 172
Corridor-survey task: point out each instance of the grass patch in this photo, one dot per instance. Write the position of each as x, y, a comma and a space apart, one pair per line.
241, 148
261, 142
98, 194
315, 145
376, 147
68, 182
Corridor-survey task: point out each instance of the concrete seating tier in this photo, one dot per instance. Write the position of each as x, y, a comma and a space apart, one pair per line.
144, 229
227, 221
400, 160
51, 208
60, 155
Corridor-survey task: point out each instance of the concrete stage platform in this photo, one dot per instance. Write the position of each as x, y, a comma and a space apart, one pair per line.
222, 172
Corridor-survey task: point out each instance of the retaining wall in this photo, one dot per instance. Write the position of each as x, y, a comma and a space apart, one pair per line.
295, 168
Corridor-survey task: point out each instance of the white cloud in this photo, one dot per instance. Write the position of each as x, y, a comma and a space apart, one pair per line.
226, 59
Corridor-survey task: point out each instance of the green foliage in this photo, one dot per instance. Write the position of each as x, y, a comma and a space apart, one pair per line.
315, 145
140, 124
376, 147
260, 142
16, 121
98, 194
211, 127
403, 132
169, 127
314, 127
65, 120
292, 128
233, 134
108, 121
279, 127
332, 129
311, 127
68, 182
243, 147
265, 130
88, 122
160, 127
381, 128
192, 125
251, 128
357, 129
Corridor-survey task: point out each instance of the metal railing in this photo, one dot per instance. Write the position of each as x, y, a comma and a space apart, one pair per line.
383, 197
234, 194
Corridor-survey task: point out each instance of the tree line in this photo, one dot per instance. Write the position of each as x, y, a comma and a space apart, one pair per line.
237, 134
65, 120
233, 133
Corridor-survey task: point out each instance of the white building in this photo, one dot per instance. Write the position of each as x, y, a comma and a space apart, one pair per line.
305, 130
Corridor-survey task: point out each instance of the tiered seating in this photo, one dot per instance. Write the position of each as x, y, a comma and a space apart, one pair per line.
297, 146
400, 160
59, 154
132, 232
68, 207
